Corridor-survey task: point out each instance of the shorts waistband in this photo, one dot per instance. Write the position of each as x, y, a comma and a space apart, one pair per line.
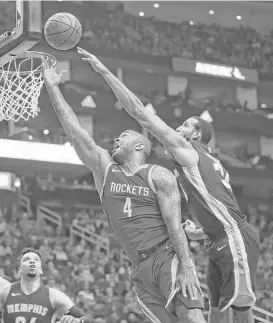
240, 225
143, 255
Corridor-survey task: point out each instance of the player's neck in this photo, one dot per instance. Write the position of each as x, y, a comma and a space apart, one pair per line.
131, 166
30, 285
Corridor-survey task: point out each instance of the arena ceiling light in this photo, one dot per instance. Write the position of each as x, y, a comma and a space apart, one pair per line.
46, 132
238, 17
141, 14
156, 5
191, 22
211, 12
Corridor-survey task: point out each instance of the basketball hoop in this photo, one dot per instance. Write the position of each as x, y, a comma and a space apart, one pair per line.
21, 81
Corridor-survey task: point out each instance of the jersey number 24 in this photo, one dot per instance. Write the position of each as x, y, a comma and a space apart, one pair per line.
21, 319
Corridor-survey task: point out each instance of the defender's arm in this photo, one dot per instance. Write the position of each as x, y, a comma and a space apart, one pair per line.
134, 106
149, 121
169, 200
93, 156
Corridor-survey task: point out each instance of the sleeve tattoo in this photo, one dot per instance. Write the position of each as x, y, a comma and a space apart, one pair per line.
169, 200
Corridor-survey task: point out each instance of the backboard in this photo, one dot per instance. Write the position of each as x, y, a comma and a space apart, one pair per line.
21, 24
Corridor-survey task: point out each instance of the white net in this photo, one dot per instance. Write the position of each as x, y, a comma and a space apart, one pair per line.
21, 82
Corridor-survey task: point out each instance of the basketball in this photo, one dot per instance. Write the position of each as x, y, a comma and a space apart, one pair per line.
63, 31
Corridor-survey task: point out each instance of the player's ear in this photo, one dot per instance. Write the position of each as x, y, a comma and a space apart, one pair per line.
197, 135
139, 146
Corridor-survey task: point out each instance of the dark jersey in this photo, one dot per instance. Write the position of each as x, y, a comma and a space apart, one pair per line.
210, 196
22, 308
130, 204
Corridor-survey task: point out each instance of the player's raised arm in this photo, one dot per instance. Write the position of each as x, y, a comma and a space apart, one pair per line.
93, 156
149, 121
169, 200
65, 308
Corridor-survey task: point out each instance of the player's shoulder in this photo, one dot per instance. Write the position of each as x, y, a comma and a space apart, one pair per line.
162, 175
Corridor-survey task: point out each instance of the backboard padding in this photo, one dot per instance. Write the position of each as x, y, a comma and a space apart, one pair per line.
27, 33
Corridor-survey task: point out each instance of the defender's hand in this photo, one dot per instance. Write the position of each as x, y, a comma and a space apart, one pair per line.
69, 319
189, 228
188, 282
51, 77
93, 60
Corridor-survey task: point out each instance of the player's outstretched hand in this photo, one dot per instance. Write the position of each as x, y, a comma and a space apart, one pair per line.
93, 60
187, 281
51, 77
69, 319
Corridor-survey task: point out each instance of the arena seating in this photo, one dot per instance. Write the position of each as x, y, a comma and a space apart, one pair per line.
89, 273
241, 46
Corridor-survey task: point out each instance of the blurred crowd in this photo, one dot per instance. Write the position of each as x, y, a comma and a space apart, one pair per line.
118, 30
96, 282
90, 275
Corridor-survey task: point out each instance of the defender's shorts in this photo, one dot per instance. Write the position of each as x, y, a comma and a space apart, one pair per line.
154, 279
232, 265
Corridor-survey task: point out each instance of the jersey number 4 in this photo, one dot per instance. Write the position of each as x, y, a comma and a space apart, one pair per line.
21, 319
224, 174
127, 209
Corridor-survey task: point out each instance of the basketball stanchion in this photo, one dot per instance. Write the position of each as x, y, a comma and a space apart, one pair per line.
21, 81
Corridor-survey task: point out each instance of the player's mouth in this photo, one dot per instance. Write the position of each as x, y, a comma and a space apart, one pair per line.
32, 267
116, 147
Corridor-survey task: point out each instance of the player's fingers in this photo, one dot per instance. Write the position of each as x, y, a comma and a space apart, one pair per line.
191, 291
199, 289
62, 72
43, 62
84, 52
184, 289
188, 222
70, 319
81, 51
65, 319
195, 292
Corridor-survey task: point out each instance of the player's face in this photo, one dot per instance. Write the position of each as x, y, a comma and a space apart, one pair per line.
30, 265
188, 128
123, 146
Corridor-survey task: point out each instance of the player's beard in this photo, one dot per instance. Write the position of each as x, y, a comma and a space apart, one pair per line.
32, 275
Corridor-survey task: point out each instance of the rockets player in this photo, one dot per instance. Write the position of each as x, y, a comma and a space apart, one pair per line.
233, 246
27, 301
142, 204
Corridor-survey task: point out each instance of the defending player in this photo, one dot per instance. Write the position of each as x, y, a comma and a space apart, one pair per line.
142, 204
233, 243
28, 301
